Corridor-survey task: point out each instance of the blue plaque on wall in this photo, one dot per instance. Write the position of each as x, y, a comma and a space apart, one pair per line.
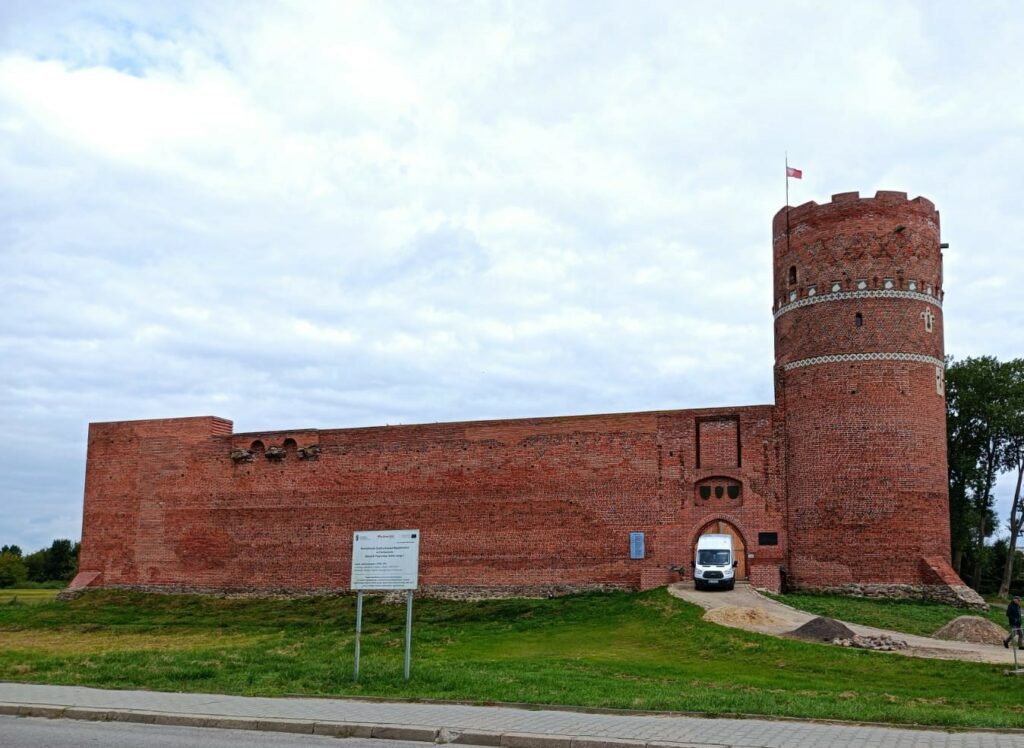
636, 545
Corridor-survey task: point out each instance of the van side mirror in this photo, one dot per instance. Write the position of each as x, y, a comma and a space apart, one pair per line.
693, 564
735, 564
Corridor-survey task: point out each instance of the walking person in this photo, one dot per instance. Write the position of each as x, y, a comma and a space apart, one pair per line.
1013, 616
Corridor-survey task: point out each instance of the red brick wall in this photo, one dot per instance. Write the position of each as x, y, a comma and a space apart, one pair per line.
719, 443
504, 503
124, 461
864, 421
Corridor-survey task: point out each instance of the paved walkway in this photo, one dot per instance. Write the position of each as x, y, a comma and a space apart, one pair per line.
727, 608
474, 725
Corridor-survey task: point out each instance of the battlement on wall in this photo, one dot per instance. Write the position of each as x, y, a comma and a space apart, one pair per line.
843, 203
282, 442
886, 244
210, 441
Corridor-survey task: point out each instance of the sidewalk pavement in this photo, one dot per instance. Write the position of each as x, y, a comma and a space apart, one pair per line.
474, 725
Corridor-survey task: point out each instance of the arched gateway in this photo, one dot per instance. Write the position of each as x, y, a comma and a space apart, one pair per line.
724, 527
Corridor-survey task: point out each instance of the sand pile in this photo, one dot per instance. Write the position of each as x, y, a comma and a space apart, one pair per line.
822, 629
729, 615
971, 629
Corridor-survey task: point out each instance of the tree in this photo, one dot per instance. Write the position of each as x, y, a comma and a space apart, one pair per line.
35, 563
11, 549
60, 560
1012, 459
978, 410
961, 455
998, 553
12, 569
76, 552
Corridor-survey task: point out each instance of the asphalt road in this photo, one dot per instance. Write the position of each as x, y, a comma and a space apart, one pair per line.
16, 732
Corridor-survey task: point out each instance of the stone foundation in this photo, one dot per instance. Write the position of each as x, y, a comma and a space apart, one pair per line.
959, 596
436, 592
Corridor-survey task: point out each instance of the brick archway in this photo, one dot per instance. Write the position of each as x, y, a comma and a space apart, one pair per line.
725, 527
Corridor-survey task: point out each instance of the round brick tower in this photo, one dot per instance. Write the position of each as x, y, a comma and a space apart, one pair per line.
859, 384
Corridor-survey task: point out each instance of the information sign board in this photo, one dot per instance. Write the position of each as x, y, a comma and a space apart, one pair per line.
385, 559
636, 545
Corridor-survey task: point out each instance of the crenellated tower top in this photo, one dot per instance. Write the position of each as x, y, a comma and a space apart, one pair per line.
852, 244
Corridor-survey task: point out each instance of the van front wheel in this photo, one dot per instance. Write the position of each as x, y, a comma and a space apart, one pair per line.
732, 585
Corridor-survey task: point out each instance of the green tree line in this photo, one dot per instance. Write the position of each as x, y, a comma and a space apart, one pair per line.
985, 443
56, 564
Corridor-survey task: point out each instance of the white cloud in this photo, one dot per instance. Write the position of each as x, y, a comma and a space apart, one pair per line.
324, 214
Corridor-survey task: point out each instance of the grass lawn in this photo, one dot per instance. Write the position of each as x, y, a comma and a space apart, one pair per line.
909, 616
27, 596
637, 651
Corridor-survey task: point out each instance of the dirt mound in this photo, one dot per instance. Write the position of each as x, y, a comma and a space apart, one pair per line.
971, 629
729, 615
822, 629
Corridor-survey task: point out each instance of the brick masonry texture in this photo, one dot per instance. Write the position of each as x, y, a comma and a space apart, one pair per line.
843, 479
526, 503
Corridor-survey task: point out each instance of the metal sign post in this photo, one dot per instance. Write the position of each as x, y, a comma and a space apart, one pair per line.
1015, 633
408, 631
385, 560
359, 630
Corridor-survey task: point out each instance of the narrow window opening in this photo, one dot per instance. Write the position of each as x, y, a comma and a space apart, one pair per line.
792, 274
858, 320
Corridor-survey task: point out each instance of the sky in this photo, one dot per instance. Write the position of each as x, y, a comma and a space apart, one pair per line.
321, 215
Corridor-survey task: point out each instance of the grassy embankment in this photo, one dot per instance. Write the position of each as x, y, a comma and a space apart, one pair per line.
909, 616
643, 651
34, 595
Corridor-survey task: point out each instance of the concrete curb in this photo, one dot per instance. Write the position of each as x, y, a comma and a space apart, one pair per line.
419, 733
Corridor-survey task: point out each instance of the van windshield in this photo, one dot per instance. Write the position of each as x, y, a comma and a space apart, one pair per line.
713, 558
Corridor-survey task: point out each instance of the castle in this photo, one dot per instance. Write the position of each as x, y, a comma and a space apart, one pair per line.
841, 485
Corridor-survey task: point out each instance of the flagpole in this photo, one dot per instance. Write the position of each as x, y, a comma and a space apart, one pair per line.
787, 201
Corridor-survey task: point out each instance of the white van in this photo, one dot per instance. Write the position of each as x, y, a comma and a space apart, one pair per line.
715, 562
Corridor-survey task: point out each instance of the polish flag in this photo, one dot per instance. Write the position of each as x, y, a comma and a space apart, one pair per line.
795, 173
